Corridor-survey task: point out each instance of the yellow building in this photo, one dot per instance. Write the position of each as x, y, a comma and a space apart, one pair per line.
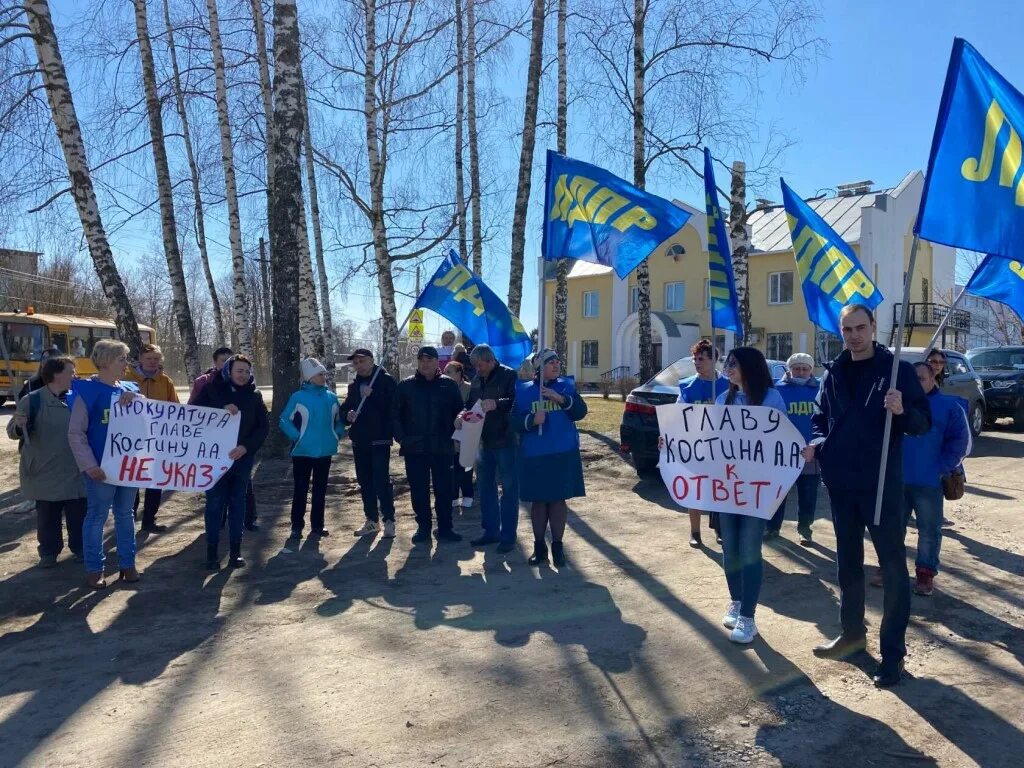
603, 325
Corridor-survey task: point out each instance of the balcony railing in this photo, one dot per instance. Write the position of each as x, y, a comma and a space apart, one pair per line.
931, 314
622, 372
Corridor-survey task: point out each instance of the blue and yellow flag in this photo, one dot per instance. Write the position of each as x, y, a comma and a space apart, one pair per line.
725, 306
1001, 280
974, 191
593, 215
830, 274
464, 299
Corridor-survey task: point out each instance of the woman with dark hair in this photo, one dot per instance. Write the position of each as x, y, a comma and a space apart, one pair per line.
936, 360
750, 383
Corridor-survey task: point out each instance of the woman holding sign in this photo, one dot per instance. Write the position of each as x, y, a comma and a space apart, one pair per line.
550, 468
750, 383
89, 402
234, 391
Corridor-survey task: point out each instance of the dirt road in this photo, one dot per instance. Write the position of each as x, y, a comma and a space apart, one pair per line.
372, 653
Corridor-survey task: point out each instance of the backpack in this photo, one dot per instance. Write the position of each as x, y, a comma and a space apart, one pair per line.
35, 403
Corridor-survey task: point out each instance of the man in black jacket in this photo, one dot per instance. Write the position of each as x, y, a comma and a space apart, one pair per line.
426, 406
495, 389
848, 427
371, 433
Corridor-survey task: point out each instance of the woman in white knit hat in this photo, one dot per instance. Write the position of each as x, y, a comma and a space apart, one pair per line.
799, 388
312, 421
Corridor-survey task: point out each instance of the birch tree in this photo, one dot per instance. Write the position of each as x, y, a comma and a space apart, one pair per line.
266, 97
515, 280
230, 185
169, 229
286, 221
460, 119
562, 136
193, 167
739, 241
643, 274
473, 137
69, 134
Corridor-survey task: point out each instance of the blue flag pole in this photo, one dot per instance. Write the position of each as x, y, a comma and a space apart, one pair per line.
540, 339
949, 314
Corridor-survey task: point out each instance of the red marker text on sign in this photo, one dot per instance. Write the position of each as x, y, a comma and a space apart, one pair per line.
734, 491
135, 469
185, 475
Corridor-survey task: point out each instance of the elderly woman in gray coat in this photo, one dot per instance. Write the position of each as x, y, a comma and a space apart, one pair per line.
49, 475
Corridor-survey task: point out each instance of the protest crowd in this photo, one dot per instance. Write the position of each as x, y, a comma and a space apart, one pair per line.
461, 412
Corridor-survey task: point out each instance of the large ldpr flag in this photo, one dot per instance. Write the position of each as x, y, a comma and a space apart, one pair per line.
974, 191
464, 299
593, 215
1001, 280
830, 274
725, 306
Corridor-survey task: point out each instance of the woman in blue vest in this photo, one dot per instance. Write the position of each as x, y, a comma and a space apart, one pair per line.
927, 459
550, 467
89, 401
799, 388
312, 421
701, 389
750, 383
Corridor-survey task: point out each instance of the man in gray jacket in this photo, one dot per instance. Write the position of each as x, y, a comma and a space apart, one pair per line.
48, 472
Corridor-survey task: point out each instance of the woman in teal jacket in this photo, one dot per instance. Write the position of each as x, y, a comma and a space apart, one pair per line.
312, 421
550, 467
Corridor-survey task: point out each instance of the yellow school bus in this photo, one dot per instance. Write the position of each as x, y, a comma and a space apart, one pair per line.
26, 335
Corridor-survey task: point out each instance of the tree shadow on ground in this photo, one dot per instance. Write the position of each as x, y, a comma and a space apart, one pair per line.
362, 572
991, 444
1009, 562
174, 598
293, 564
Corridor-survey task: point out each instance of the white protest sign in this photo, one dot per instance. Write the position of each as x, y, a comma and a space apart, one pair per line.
728, 458
469, 436
153, 444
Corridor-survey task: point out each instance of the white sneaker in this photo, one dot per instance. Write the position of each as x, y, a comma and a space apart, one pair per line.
745, 631
731, 614
389, 529
369, 528
456, 503
467, 502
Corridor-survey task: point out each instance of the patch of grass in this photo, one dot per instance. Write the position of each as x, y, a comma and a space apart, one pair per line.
602, 415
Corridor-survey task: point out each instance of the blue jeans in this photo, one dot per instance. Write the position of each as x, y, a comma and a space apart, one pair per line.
228, 492
807, 502
498, 521
741, 558
926, 503
101, 498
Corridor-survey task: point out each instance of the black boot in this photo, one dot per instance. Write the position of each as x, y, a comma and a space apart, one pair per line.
558, 554
212, 560
235, 558
540, 553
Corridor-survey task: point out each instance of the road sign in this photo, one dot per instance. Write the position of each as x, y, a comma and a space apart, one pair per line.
416, 325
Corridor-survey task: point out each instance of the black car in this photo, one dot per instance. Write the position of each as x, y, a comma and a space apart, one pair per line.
638, 433
1002, 375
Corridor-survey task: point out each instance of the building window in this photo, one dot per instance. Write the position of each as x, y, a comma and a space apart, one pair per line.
634, 299
829, 346
780, 345
590, 358
780, 288
675, 297
591, 303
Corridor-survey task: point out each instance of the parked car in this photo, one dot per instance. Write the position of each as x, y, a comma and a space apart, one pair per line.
638, 433
962, 380
1002, 375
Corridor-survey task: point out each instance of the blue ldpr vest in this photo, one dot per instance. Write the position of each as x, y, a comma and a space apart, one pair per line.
560, 434
697, 391
96, 396
799, 403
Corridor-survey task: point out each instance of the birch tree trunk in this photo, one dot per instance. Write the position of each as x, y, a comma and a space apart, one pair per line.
327, 328
309, 313
562, 135
521, 208
474, 144
643, 276
69, 133
739, 241
268, 316
460, 118
169, 229
230, 186
263, 64
286, 222
179, 104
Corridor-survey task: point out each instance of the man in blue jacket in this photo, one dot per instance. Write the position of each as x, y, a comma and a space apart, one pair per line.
847, 431
926, 460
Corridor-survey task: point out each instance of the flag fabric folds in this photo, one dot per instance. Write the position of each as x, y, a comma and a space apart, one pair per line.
462, 298
830, 274
1001, 280
974, 191
593, 215
725, 307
